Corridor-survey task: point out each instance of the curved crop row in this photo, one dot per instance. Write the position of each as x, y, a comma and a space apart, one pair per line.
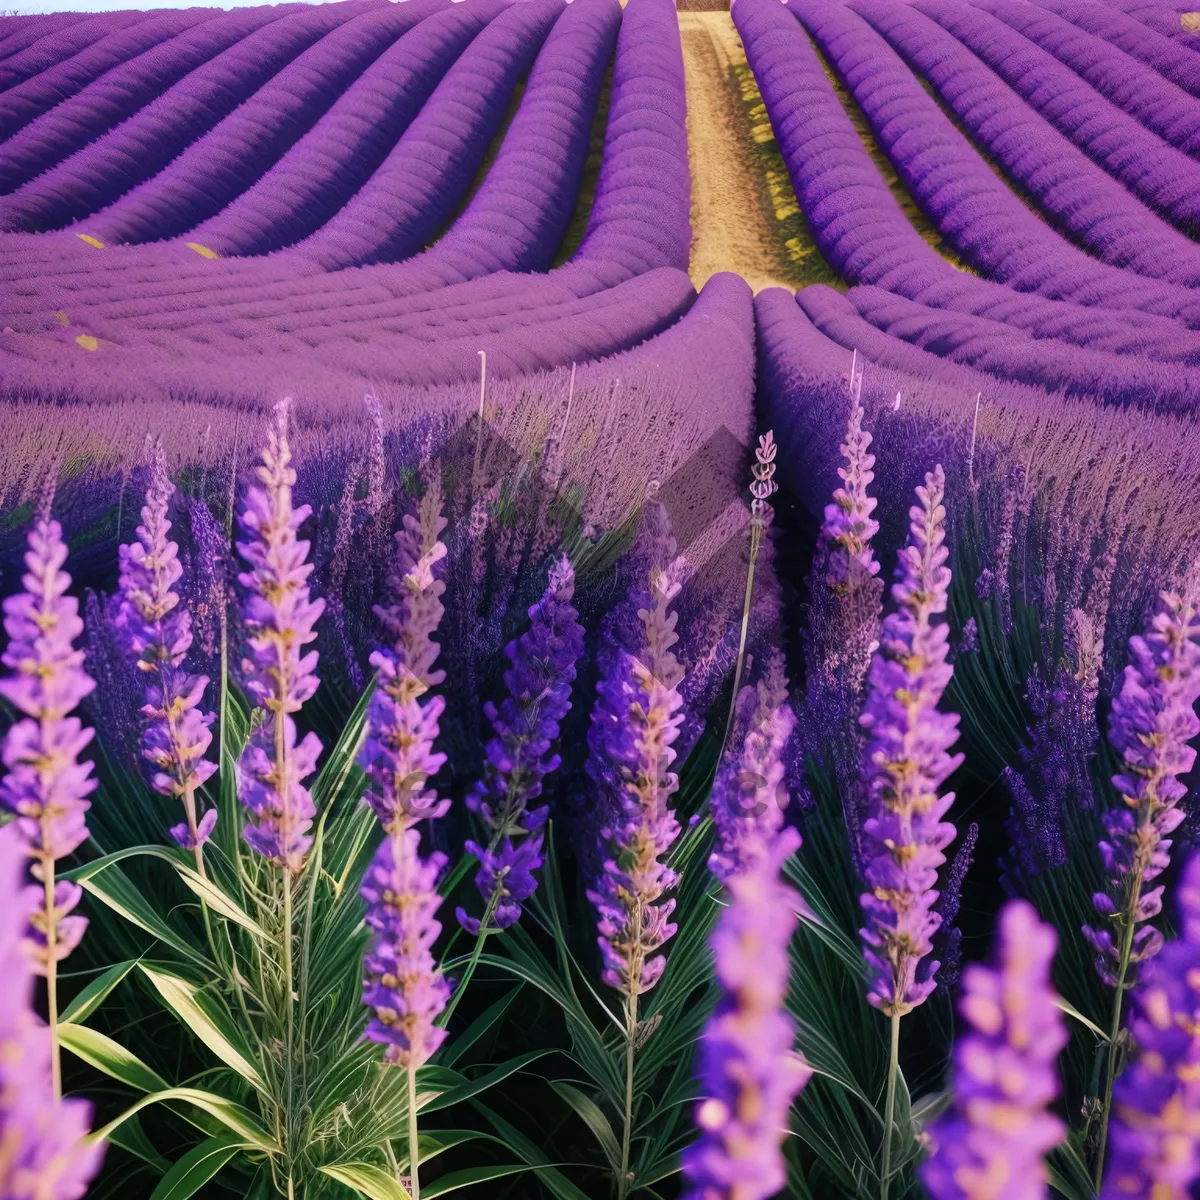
20, 104
1008, 353
140, 147
641, 217
37, 43
223, 163
1063, 181
119, 93
403, 205
1141, 91
1151, 168
1162, 18
862, 232
1171, 61
327, 166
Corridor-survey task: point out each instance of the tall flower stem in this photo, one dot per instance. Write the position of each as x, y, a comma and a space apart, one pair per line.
889, 1109
473, 962
631, 1021
1114, 1029
414, 1157
47, 865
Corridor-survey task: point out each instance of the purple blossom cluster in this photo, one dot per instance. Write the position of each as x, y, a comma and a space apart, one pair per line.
748, 1072
45, 786
1155, 1137
750, 792
398, 753
403, 984
279, 618
43, 1154
634, 725
905, 761
155, 632
992, 1142
1153, 720
521, 753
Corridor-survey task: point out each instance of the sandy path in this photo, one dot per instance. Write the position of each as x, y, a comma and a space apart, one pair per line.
732, 225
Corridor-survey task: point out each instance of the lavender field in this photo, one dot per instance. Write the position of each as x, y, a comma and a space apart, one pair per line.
600, 602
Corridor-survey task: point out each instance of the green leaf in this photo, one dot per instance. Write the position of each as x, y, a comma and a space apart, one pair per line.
1071, 1011
370, 1181
112, 887
471, 1175
95, 993
232, 1115
486, 1020
202, 1017
218, 900
589, 1112
108, 1056
198, 1166
551, 1178
133, 1140
473, 1087
929, 1107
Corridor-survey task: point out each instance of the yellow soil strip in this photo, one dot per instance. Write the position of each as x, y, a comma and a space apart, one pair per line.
744, 212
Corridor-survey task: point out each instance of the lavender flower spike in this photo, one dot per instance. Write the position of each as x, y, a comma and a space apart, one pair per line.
1156, 1125
156, 631
46, 787
1153, 720
991, 1144
279, 616
905, 761
849, 526
398, 754
403, 984
749, 1073
520, 755
749, 793
43, 1155
636, 722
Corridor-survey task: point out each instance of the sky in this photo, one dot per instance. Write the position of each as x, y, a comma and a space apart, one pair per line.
93, 6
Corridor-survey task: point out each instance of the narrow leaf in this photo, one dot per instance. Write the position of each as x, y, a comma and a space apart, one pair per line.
367, 1180
219, 901
198, 1166
486, 1020
1071, 1011
474, 1086
232, 1115
100, 1051
131, 1137
589, 1112
471, 1175
202, 1017
95, 993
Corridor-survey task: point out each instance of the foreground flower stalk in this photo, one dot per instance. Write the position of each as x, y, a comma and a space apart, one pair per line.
46, 787
156, 632
905, 761
280, 618
1153, 720
991, 1144
45, 1153
749, 1074
519, 757
634, 726
1156, 1118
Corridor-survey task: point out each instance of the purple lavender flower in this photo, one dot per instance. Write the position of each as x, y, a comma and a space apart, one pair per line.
402, 982
634, 726
520, 755
1156, 1124
398, 754
992, 1142
156, 632
970, 637
279, 617
749, 1074
849, 526
43, 1155
46, 786
948, 904
749, 793
1153, 720
905, 761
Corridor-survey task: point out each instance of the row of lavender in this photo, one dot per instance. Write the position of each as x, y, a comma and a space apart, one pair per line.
1094, 295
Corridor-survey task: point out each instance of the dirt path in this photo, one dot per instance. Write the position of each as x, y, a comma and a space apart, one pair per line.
736, 215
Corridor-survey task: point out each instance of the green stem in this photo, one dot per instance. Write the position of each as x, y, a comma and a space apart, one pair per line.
756, 532
52, 973
414, 1157
889, 1112
1115, 1028
630, 1038
444, 1019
